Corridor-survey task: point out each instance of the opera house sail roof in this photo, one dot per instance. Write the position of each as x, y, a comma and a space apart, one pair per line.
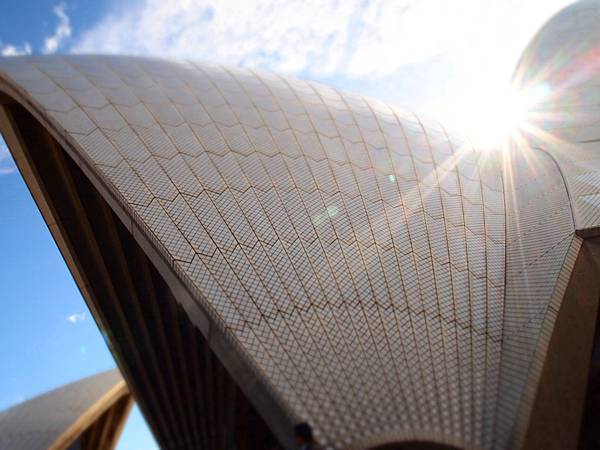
88, 414
561, 68
261, 250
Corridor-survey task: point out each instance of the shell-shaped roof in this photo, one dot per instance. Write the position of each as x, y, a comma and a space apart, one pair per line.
55, 419
387, 280
559, 73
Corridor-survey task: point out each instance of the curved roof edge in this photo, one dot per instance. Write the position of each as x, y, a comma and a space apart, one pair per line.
92, 410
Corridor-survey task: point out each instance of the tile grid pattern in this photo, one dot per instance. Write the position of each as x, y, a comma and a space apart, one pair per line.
353, 251
541, 247
561, 62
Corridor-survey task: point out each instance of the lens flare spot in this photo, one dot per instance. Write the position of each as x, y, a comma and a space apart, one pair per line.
329, 213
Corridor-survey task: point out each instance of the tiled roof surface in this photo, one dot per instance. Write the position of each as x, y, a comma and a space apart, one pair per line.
560, 68
386, 278
37, 423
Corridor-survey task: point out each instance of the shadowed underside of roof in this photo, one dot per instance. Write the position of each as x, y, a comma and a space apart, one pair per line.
184, 391
261, 250
87, 414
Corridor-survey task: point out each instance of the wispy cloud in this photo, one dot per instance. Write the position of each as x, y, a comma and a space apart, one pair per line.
355, 37
52, 43
62, 31
284, 35
15, 50
7, 165
432, 53
77, 317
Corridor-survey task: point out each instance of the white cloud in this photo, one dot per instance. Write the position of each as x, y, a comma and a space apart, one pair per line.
52, 43
433, 55
286, 36
77, 317
7, 164
353, 37
15, 50
62, 31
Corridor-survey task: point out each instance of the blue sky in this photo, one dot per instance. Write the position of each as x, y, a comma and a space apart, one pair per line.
452, 60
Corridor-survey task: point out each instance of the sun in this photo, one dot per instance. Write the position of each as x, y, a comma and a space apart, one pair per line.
492, 116
497, 120
492, 120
